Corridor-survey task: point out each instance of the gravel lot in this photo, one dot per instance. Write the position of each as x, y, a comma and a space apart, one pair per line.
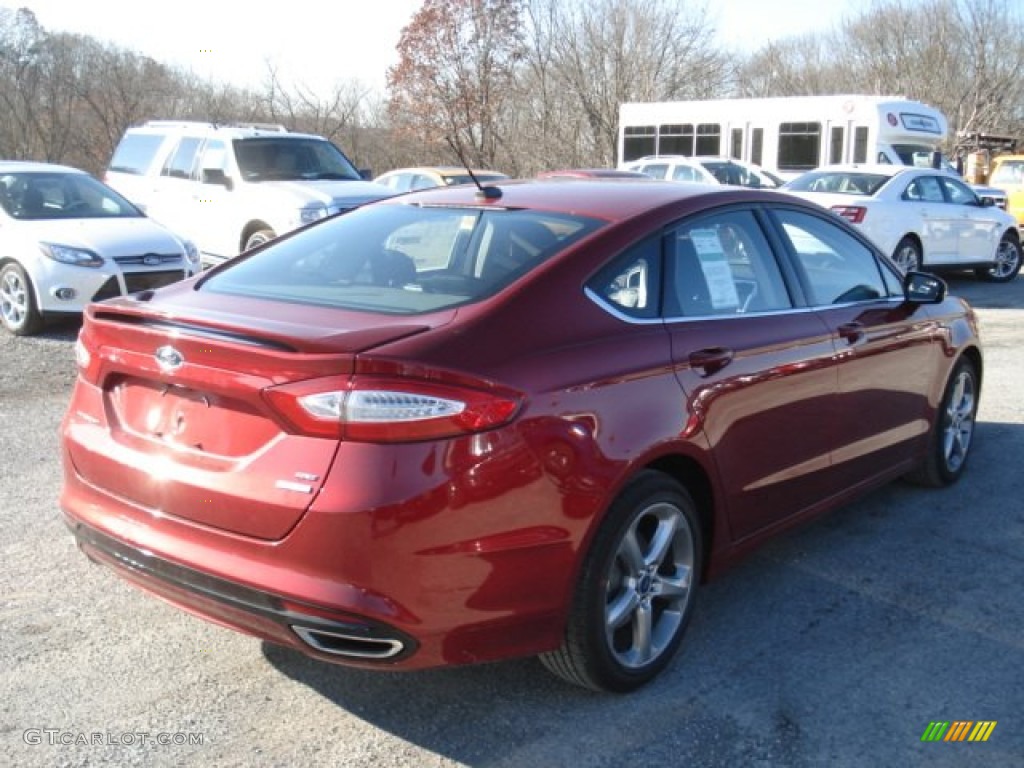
834, 645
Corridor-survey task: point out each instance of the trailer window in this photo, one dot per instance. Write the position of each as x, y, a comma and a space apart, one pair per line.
756, 146
638, 141
799, 146
675, 139
835, 152
709, 139
860, 144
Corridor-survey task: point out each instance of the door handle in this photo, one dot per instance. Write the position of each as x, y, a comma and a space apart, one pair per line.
852, 332
711, 360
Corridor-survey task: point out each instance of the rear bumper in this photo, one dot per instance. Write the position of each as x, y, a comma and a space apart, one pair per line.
248, 610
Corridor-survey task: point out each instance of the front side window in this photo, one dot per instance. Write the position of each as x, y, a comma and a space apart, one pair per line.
182, 162
957, 192
837, 268
722, 264
402, 259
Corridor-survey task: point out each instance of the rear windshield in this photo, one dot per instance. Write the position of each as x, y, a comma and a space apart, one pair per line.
402, 259
843, 183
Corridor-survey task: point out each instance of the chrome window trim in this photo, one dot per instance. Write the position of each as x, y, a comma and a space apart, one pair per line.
619, 315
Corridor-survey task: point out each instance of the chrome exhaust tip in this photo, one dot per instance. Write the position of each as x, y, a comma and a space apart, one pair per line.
354, 646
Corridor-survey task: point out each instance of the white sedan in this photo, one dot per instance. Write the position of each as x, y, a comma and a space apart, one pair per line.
924, 218
67, 239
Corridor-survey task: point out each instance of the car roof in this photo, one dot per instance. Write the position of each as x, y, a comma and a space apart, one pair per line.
880, 169
584, 197
29, 166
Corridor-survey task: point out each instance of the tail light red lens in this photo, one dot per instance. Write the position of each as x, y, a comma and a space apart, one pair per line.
388, 410
852, 213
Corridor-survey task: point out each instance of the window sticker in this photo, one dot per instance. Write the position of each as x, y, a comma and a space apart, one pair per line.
715, 266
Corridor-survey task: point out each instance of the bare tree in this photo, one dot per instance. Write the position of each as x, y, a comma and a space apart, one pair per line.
585, 59
962, 56
455, 75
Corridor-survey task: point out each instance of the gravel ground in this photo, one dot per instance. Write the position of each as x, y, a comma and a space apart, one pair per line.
835, 645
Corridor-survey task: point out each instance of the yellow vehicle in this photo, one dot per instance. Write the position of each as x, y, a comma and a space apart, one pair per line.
1008, 174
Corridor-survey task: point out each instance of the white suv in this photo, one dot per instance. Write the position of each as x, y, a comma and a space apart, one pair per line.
230, 188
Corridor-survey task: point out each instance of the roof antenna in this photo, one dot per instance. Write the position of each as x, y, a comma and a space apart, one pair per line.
488, 192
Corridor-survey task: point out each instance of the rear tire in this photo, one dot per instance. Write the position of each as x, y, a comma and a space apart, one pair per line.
951, 435
636, 591
18, 310
1007, 263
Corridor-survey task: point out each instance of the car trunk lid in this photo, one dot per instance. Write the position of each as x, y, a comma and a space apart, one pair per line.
172, 415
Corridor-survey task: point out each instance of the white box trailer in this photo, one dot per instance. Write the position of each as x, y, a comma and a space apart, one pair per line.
786, 135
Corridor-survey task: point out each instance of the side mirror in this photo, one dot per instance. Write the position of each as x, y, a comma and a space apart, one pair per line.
923, 288
366, 174
986, 202
217, 176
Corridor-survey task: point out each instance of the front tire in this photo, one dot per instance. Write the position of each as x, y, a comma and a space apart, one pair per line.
952, 433
637, 589
1007, 263
908, 255
18, 310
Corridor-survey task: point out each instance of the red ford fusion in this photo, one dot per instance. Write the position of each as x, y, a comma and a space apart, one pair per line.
464, 425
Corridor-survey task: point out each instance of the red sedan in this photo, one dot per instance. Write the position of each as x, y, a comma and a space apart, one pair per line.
460, 425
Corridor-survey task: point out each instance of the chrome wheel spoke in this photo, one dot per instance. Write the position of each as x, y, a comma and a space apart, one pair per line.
622, 608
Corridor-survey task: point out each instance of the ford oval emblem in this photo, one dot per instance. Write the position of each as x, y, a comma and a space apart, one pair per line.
169, 359
151, 260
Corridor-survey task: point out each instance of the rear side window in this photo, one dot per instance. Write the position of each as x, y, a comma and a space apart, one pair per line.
722, 264
136, 152
402, 259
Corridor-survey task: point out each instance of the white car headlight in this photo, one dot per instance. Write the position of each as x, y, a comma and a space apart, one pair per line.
311, 213
65, 254
191, 252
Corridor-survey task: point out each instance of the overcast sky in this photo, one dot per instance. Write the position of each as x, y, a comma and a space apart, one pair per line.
322, 42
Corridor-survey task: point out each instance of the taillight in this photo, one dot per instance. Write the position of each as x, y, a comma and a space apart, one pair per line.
388, 410
84, 358
852, 213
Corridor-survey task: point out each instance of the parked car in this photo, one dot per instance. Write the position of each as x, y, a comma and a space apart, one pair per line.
925, 218
409, 179
448, 428
1007, 174
233, 187
705, 169
66, 239
592, 173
